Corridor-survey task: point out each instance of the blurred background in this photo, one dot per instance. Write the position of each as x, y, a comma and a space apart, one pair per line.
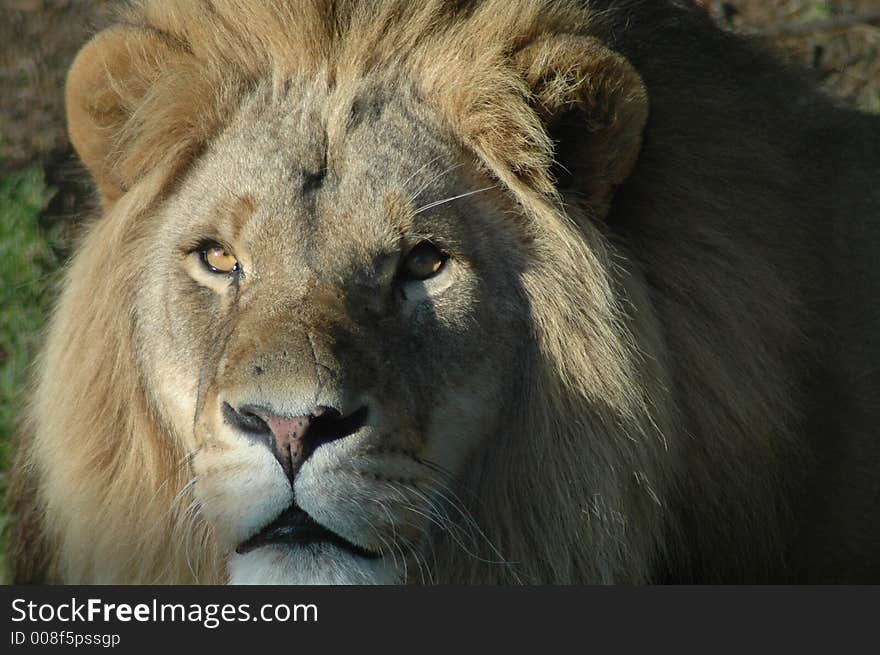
44, 194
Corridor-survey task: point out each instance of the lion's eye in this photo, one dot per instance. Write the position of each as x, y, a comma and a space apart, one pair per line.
218, 260
423, 261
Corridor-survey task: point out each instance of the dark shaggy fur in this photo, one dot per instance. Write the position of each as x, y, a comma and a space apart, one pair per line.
736, 143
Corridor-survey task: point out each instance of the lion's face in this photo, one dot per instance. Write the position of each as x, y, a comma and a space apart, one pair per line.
340, 326
345, 320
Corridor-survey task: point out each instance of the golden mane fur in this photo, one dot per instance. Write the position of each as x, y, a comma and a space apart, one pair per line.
669, 353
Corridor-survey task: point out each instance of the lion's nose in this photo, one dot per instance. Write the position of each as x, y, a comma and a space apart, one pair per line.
293, 439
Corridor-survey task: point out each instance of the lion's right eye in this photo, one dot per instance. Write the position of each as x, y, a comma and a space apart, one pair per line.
218, 260
423, 261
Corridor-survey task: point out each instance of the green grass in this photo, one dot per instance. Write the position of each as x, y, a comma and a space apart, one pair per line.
28, 272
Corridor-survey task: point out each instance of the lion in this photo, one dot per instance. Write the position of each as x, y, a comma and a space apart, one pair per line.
494, 292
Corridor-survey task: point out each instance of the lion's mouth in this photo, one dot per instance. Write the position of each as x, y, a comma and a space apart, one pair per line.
294, 526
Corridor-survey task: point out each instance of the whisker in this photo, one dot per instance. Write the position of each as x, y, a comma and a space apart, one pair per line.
456, 504
415, 548
395, 537
387, 547
392, 545
437, 203
439, 518
423, 566
413, 197
463, 535
420, 169
442, 489
194, 514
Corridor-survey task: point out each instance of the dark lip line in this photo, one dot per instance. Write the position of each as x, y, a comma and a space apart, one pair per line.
295, 526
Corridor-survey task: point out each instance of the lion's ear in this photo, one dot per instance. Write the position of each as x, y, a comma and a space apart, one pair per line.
107, 87
104, 86
594, 107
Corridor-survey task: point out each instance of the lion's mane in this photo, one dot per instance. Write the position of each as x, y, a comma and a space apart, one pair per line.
664, 394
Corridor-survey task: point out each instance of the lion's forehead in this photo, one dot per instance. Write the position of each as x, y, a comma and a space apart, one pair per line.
323, 184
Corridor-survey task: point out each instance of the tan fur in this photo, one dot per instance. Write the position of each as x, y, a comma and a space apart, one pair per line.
655, 382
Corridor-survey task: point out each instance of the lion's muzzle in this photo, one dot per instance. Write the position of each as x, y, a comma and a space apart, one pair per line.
293, 439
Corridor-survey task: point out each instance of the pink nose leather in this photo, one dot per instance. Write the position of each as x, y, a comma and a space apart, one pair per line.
293, 439
290, 445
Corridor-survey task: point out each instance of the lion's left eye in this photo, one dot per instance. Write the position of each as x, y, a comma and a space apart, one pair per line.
218, 260
423, 261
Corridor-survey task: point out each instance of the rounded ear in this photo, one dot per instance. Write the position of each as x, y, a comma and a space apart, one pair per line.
105, 85
593, 105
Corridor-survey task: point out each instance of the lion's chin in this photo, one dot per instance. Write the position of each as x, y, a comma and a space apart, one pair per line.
310, 564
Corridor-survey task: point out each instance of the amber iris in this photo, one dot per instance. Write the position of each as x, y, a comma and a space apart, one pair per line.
423, 261
218, 260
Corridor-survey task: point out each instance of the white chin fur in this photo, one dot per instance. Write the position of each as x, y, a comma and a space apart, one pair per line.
313, 564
